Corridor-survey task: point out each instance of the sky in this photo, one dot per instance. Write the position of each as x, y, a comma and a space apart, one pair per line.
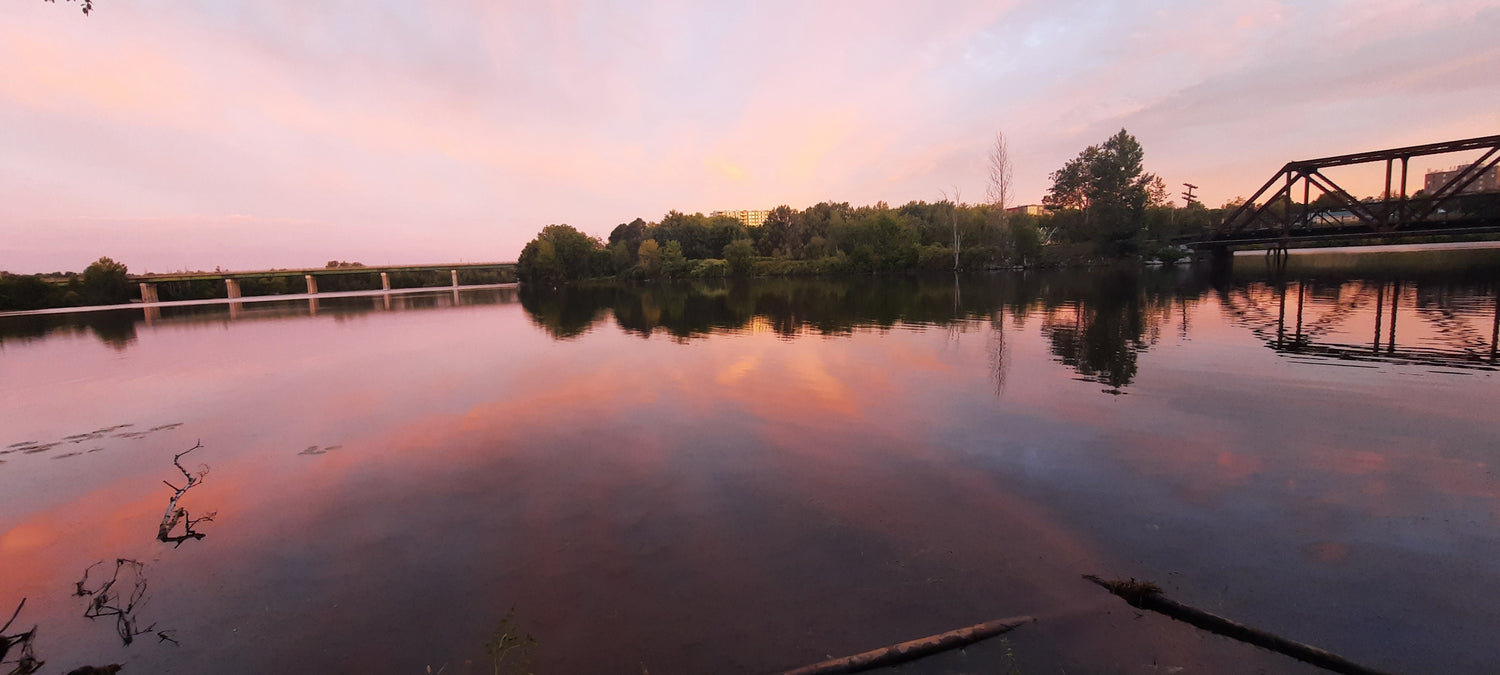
250, 134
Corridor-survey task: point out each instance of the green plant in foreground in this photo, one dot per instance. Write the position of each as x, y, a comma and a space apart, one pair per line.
508, 642
1008, 661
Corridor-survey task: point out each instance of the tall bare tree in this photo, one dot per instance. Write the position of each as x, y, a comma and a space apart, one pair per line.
953, 216
1001, 171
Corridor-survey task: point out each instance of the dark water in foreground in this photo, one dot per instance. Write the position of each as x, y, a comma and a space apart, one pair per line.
740, 478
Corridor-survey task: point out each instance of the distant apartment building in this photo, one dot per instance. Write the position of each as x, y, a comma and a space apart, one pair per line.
1028, 209
1488, 181
749, 218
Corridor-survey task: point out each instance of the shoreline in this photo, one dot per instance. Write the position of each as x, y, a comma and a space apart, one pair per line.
251, 299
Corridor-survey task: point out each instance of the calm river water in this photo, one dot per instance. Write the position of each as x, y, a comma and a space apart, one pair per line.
741, 478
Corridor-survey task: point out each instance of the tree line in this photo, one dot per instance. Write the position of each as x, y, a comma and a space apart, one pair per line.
103, 282
1102, 205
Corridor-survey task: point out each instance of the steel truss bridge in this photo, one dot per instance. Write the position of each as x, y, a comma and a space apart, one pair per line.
1285, 210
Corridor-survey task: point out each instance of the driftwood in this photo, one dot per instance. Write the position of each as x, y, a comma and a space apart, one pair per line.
176, 514
914, 649
110, 669
1146, 595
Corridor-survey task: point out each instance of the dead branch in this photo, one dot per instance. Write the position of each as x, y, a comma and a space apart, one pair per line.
105, 601
914, 649
26, 662
13, 616
176, 514
1146, 595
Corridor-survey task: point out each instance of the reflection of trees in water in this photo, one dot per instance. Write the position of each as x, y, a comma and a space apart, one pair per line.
567, 311
787, 307
115, 328
1097, 322
1104, 325
995, 348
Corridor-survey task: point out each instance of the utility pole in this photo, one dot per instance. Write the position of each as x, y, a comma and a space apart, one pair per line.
1187, 195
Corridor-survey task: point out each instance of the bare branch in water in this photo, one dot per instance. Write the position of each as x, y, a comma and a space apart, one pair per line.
176, 514
25, 662
13, 616
1146, 595
106, 601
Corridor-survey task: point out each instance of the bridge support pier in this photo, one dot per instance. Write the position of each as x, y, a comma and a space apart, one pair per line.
312, 284
1276, 256
233, 286
148, 293
385, 281
454, 274
1221, 258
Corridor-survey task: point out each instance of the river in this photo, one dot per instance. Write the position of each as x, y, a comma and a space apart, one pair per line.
742, 477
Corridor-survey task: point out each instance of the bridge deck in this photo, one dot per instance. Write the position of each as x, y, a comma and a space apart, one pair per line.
316, 271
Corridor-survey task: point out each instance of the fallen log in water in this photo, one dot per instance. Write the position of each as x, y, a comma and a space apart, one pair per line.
1146, 595
914, 649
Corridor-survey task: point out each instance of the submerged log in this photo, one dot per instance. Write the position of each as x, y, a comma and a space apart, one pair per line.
914, 649
1146, 595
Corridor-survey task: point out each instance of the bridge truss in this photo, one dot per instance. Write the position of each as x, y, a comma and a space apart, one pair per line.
1272, 214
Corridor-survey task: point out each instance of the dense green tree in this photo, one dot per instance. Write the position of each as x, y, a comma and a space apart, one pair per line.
709, 268
26, 291
649, 255
1108, 183
673, 262
632, 233
721, 231
739, 253
777, 233
538, 262
620, 257
106, 282
561, 253
690, 231
1025, 238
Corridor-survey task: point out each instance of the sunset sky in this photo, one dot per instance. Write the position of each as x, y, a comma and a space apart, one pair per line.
276, 133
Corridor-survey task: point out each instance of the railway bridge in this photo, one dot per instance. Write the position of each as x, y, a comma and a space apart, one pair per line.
1287, 212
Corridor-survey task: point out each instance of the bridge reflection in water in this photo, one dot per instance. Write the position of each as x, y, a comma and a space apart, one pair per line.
1359, 322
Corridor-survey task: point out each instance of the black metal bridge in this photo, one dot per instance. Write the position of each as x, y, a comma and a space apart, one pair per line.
1286, 211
